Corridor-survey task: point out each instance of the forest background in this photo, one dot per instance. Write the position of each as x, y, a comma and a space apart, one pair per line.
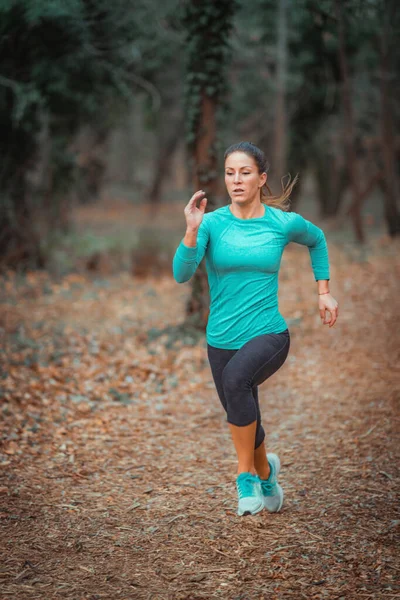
111, 116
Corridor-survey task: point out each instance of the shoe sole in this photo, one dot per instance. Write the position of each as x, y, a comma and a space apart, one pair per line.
275, 458
249, 512
282, 496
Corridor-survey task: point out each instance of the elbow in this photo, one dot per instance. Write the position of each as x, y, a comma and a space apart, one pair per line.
182, 271
322, 238
180, 276
320, 242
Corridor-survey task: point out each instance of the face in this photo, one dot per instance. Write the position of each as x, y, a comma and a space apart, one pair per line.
242, 179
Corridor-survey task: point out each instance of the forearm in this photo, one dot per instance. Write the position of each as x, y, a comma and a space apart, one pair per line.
188, 255
190, 238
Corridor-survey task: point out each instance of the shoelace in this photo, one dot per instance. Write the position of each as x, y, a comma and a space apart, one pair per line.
267, 487
245, 487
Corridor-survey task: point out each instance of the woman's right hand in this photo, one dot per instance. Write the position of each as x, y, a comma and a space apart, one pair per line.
194, 215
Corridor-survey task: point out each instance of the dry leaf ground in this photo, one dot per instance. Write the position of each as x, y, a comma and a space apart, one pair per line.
117, 470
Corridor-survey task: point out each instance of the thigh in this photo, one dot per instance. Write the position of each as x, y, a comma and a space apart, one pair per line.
218, 359
259, 358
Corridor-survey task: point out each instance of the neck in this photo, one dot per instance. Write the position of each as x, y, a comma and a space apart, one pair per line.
249, 211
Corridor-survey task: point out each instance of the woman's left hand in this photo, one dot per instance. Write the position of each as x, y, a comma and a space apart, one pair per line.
327, 303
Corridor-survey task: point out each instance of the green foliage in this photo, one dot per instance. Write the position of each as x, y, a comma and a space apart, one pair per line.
208, 25
313, 75
64, 64
62, 61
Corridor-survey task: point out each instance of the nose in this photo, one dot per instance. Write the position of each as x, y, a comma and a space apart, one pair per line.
237, 177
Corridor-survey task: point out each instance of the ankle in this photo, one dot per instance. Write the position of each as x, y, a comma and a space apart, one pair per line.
246, 470
264, 473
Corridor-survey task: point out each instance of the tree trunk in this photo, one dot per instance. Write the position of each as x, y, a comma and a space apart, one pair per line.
280, 109
332, 181
390, 182
19, 240
205, 177
349, 129
166, 150
208, 26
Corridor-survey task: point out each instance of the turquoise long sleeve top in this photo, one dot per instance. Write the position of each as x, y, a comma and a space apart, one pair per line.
243, 258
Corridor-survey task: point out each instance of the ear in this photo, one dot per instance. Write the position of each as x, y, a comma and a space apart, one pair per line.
263, 179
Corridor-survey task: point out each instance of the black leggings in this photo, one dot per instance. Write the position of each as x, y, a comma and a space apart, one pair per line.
237, 373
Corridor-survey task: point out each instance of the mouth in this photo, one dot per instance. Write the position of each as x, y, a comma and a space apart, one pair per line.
238, 191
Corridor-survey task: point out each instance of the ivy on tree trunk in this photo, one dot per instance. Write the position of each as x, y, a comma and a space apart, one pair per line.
208, 25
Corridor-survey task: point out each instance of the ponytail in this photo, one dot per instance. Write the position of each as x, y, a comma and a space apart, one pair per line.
282, 201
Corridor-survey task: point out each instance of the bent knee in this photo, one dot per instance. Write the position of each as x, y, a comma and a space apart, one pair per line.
232, 381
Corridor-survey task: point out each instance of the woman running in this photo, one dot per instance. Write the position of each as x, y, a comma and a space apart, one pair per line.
247, 338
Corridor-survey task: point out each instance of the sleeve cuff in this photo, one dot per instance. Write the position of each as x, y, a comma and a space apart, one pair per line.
319, 276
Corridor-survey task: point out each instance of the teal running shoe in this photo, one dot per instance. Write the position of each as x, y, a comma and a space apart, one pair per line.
272, 493
249, 494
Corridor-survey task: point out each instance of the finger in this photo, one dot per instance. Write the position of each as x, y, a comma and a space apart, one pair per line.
193, 200
332, 319
196, 196
203, 205
322, 312
327, 317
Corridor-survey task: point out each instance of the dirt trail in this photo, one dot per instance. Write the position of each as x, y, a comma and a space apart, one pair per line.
118, 470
